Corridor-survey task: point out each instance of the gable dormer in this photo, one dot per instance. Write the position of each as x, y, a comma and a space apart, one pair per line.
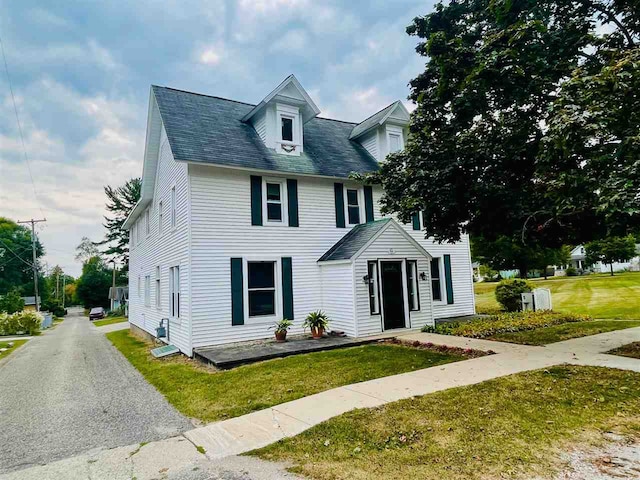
384, 132
280, 117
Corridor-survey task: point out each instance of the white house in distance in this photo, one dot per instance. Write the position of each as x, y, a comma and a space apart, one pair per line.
247, 216
578, 261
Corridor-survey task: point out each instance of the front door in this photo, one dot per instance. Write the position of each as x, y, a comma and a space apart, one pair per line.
392, 294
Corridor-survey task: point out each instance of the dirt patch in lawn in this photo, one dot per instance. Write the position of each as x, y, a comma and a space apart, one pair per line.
631, 350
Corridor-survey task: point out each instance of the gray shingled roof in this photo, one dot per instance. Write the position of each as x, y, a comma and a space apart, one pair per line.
208, 129
371, 121
353, 241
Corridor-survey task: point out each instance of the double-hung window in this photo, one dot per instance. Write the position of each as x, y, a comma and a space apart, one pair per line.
174, 291
412, 285
173, 207
374, 297
147, 223
160, 218
353, 206
274, 202
158, 298
261, 286
147, 290
436, 280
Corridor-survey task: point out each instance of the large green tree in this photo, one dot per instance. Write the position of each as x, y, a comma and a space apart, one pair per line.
610, 250
92, 288
526, 125
16, 257
120, 202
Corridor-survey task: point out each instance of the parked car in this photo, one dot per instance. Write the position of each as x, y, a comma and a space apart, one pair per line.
96, 313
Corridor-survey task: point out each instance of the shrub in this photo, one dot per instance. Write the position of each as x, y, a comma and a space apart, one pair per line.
508, 293
12, 302
503, 323
20, 322
571, 272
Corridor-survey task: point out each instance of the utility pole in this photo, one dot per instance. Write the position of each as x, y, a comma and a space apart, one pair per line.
57, 284
64, 284
35, 265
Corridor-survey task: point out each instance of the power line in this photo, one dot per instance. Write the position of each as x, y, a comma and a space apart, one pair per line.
15, 254
15, 109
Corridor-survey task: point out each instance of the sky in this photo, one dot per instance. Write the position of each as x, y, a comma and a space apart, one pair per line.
81, 73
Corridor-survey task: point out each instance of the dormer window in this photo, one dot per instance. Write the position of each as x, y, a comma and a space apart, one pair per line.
395, 144
287, 129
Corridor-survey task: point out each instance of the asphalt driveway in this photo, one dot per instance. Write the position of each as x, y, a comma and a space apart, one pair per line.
69, 391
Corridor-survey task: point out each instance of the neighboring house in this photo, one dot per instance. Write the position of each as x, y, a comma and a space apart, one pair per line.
119, 297
247, 215
30, 303
578, 261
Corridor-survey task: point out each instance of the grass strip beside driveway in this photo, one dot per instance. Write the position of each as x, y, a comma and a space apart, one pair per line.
566, 331
109, 321
631, 350
501, 428
16, 344
204, 393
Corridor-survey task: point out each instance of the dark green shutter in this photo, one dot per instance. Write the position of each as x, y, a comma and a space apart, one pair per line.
292, 200
256, 200
338, 189
415, 219
368, 203
447, 278
237, 297
287, 288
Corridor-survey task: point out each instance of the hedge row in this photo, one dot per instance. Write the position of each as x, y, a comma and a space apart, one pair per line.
504, 323
24, 322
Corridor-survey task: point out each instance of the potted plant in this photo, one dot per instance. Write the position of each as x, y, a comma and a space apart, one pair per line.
281, 327
317, 323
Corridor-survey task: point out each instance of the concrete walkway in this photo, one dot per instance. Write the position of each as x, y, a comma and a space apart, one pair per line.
225, 439
114, 327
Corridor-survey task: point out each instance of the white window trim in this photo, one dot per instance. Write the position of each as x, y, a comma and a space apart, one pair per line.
147, 222
173, 210
442, 291
284, 200
160, 217
416, 281
393, 130
171, 292
158, 288
266, 319
376, 289
147, 290
139, 287
293, 113
360, 191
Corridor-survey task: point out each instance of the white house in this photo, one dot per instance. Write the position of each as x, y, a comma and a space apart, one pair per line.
578, 261
248, 215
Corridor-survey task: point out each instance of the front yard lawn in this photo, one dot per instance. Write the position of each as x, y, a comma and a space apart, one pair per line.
597, 295
631, 350
16, 344
512, 426
109, 321
201, 392
558, 333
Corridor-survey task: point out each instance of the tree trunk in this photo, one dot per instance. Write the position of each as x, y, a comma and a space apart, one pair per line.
524, 270
611, 265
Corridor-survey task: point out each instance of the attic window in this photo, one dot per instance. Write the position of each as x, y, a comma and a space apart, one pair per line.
287, 129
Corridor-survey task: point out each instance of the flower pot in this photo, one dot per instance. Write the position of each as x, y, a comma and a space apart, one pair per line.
317, 332
281, 336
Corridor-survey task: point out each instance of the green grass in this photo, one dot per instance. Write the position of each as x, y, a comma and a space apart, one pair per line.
203, 393
16, 344
109, 321
566, 331
512, 426
601, 295
631, 350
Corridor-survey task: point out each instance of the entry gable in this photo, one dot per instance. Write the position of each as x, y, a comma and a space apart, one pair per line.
362, 236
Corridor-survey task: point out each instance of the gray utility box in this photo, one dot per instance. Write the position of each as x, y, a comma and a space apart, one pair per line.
539, 299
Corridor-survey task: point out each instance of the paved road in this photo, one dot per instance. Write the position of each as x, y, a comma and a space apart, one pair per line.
70, 391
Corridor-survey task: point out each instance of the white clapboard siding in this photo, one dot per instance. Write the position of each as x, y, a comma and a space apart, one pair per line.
390, 240
461, 271
169, 250
337, 296
370, 142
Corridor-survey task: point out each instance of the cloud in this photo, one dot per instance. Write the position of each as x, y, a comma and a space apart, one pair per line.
211, 56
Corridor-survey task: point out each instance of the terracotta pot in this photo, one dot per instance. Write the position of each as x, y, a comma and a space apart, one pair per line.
281, 336
317, 332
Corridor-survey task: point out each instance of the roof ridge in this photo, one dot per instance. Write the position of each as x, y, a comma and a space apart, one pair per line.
204, 95
374, 114
336, 120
